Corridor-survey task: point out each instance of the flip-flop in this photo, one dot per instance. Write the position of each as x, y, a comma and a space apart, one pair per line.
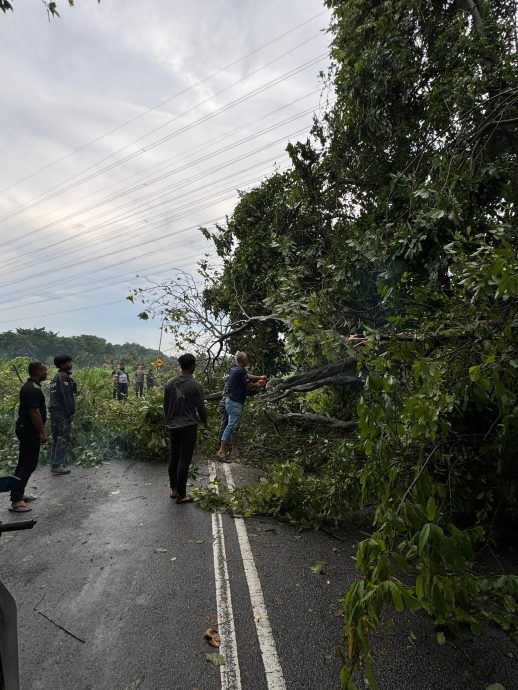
185, 499
30, 498
173, 494
20, 509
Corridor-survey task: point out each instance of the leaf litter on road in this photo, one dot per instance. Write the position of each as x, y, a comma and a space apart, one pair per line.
318, 567
215, 658
211, 635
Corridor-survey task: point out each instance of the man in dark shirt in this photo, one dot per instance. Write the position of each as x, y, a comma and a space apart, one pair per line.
30, 430
184, 408
62, 410
238, 384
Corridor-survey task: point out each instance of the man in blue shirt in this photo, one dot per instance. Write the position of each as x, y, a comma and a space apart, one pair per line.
238, 384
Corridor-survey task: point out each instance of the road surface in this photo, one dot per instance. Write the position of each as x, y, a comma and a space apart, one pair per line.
116, 586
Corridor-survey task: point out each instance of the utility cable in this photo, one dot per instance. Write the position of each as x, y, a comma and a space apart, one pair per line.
167, 100
60, 189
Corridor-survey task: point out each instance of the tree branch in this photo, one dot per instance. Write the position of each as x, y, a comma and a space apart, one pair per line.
475, 13
322, 420
249, 322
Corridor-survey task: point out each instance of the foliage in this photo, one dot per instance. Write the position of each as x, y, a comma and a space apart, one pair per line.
51, 7
86, 350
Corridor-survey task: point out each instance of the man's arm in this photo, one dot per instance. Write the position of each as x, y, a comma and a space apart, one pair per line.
253, 382
253, 378
167, 400
200, 406
38, 424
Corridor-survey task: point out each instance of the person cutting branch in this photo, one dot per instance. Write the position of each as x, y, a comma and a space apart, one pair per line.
239, 383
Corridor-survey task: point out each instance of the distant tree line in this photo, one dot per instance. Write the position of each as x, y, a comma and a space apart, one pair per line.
87, 350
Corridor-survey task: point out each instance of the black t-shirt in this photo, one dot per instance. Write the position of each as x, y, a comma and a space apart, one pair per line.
31, 398
62, 391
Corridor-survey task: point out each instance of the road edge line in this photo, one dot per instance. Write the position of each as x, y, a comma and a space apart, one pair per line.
274, 675
230, 672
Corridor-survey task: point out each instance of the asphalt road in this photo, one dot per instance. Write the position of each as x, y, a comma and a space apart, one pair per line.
116, 585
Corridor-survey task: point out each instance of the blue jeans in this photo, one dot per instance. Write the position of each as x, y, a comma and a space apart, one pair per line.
234, 410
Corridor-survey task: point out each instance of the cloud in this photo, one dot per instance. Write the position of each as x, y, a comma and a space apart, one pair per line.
168, 170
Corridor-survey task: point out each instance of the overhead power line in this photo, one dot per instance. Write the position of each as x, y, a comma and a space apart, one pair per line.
165, 101
61, 189
136, 188
119, 278
26, 260
146, 180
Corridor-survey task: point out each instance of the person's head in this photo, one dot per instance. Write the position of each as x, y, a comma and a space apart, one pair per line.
121, 365
139, 367
37, 371
118, 366
63, 362
242, 359
187, 363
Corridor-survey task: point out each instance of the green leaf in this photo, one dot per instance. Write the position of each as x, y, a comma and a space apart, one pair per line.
441, 638
318, 567
396, 597
423, 538
431, 509
215, 658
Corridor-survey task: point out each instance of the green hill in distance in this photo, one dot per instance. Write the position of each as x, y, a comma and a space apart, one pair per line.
86, 350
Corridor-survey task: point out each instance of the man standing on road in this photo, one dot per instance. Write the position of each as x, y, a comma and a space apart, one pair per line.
239, 383
139, 381
184, 408
62, 410
122, 382
30, 430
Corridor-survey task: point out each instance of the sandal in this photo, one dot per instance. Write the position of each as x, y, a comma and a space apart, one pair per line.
173, 493
20, 509
29, 497
185, 499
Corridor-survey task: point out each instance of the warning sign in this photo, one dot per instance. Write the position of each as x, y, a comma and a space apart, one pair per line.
159, 362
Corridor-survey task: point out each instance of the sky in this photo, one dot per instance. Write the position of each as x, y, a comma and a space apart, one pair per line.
124, 128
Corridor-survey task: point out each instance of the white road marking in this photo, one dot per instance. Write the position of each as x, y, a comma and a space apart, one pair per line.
272, 667
230, 673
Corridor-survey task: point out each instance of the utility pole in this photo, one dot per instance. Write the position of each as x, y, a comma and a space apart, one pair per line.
158, 358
